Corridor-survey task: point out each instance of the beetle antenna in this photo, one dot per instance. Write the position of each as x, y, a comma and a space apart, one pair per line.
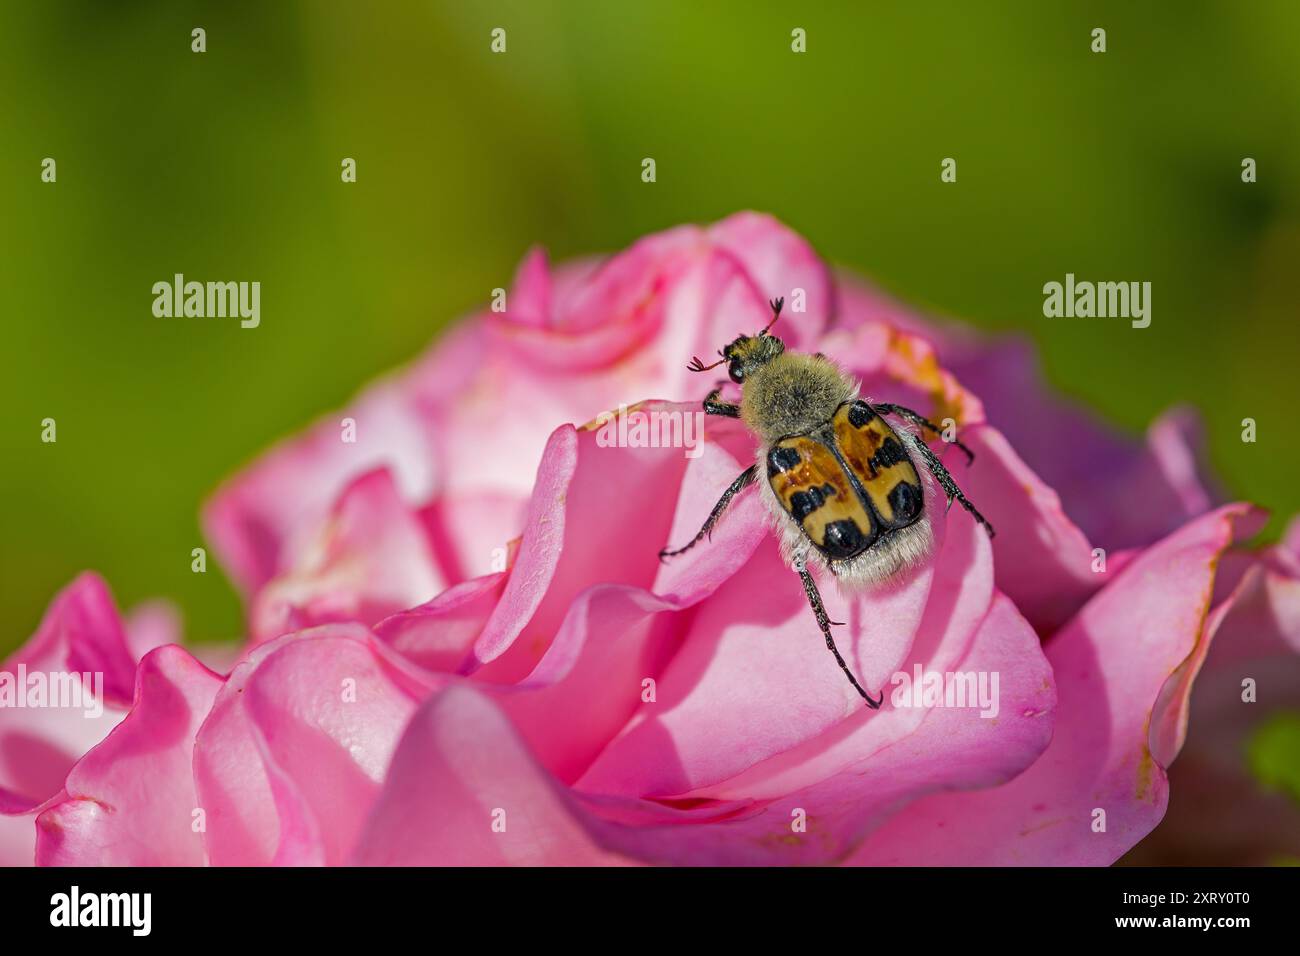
698, 366
776, 313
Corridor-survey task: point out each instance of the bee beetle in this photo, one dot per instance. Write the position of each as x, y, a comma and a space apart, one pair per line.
842, 485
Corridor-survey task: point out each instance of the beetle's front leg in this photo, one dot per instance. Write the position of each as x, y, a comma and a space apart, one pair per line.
712, 406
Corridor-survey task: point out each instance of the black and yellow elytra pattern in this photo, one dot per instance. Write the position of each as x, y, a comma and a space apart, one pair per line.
847, 483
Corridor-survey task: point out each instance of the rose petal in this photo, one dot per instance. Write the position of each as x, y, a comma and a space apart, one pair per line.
471, 533
951, 748
460, 769
955, 620
370, 559
79, 634
614, 637
438, 634
297, 743
1111, 663
152, 624
130, 801
782, 264
529, 302
18, 827
1256, 634
254, 519
754, 643
462, 758
617, 487
1044, 562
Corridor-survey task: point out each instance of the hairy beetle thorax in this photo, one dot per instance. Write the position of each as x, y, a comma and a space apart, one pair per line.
792, 394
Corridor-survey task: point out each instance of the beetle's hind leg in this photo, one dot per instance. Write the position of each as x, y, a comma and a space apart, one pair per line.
824, 622
947, 483
889, 408
746, 478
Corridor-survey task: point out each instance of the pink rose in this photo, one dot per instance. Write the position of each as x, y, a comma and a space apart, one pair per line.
1256, 651
464, 649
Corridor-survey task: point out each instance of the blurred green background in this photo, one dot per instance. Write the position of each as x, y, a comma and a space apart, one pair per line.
225, 165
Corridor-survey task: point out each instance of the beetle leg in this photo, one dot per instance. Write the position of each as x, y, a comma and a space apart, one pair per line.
746, 478
714, 407
888, 408
824, 622
947, 483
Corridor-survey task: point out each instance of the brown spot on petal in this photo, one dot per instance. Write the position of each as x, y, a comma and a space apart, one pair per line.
613, 414
914, 362
1042, 826
1145, 771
